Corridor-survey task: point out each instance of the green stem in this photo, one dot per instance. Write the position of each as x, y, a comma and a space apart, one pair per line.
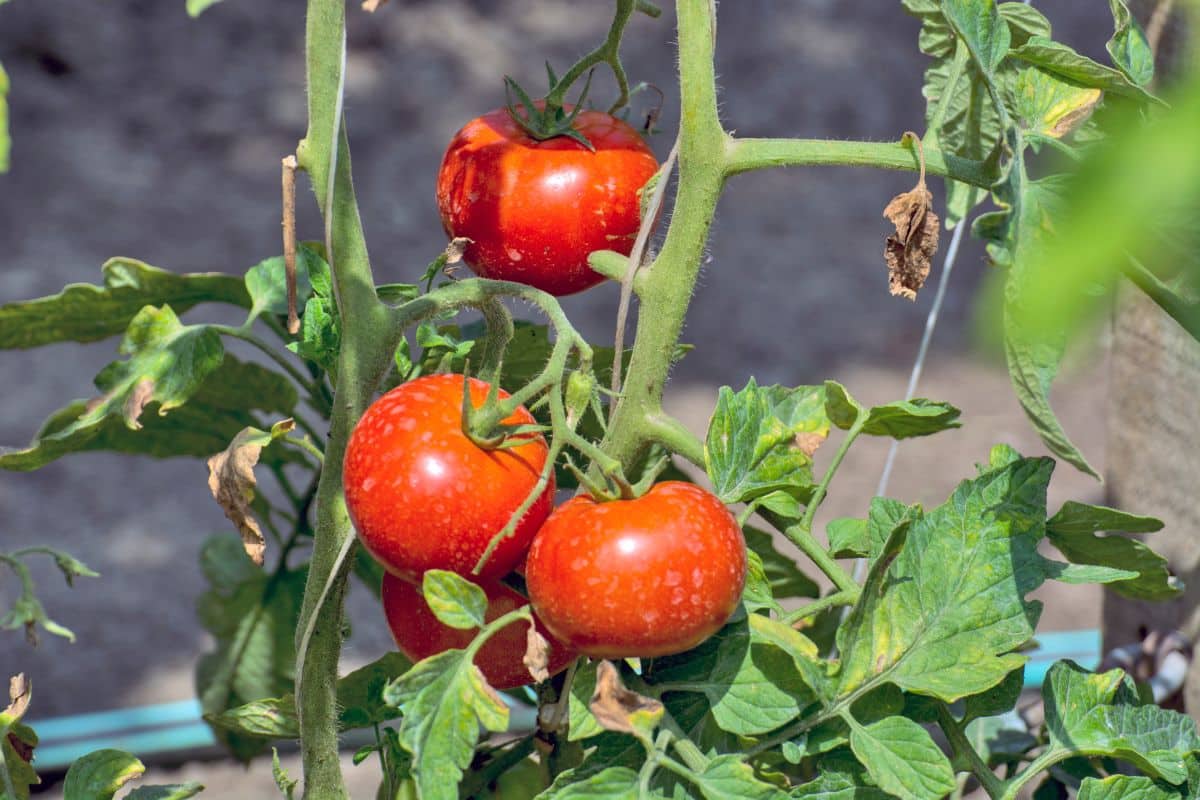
810, 511
606, 53
840, 598
273, 354
800, 536
744, 155
1185, 313
1036, 767
668, 282
964, 751
364, 359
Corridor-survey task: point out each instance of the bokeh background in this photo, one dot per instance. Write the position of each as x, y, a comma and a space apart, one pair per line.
140, 132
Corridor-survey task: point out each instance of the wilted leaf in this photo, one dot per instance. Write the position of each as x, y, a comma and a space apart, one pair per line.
231, 481
537, 655
1050, 106
618, 709
20, 692
910, 250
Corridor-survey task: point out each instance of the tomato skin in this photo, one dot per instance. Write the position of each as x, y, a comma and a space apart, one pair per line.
419, 634
423, 496
536, 209
637, 578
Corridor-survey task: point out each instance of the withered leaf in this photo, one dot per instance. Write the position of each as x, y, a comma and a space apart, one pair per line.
809, 442
20, 692
537, 655
457, 247
618, 709
371, 6
909, 251
231, 481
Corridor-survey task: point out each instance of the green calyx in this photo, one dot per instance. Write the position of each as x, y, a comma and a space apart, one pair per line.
546, 118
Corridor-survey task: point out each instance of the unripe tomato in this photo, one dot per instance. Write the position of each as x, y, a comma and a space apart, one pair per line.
424, 496
419, 634
645, 577
536, 209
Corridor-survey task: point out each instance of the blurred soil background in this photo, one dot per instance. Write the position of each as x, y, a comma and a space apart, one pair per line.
142, 133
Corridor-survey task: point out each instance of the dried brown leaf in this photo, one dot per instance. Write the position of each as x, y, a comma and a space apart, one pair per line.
909, 251
142, 392
537, 655
20, 692
617, 708
371, 6
456, 249
231, 481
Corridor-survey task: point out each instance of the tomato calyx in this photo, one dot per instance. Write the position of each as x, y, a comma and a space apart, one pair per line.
613, 485
543, 119
482, 427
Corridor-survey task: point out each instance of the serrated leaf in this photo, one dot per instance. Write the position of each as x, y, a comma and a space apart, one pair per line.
445, 701
99, 774
266, 281
727, 777
1152, 575
761, 440
454, 600
1082, 518
220, 408
615, 783
83, 312
757, 674
943, 606
1096, 715
904, 419
1126, 787
1059, 59
253, 618
902, 758
1128, 47
781, 572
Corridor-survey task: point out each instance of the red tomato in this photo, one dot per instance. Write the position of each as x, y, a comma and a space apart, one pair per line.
419, 634
536, 209
424, 496
645, 577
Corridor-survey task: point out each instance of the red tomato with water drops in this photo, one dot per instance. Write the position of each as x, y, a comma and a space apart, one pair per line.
636, 578
536, 209
424, 496
419, 634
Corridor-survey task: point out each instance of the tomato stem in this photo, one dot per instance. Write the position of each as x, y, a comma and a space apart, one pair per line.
607, 53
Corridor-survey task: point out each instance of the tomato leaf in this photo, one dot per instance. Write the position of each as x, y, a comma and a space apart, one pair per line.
757, 674
1000, 739
232, 482
86, 313
266, 281
1075, 519
582, 724
902, 758
781, 572
253, 618
943, 606
727, 777
1127, 787
99, 774
213, 415
859, 538
1128, 47
761, 439
1099, 715
175, 791
611, 783
17, 740
445, 702
997, 700
1059, 59
616, 708
839, 777
197, 7
1048, 106
455, 600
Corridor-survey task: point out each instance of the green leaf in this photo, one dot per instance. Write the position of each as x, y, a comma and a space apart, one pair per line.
943, 606
1023, 21
1061, 60
205, 425
85, 313
981, 29
253, 618
197, 7
1097, 715
727, 777
858, 538
902, 758
761, 440
848, 537
831, 785
1001, 739
756, 674
612, 783
1151, 579
266, 281
454, 600
17, 740
785, 578
907, 418
99, 774
1085, 573
1046, 105
176, 791
582, 724
1126, 787
842, 409
997, 700
287, 786
1074, 519
1128, 47
445, 701
756, 595
5, 141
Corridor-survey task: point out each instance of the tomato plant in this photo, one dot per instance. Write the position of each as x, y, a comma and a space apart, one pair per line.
419, 634
534, 209
425, 496
732, 672
650, 576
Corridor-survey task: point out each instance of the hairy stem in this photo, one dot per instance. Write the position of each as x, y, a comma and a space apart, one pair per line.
964, 751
